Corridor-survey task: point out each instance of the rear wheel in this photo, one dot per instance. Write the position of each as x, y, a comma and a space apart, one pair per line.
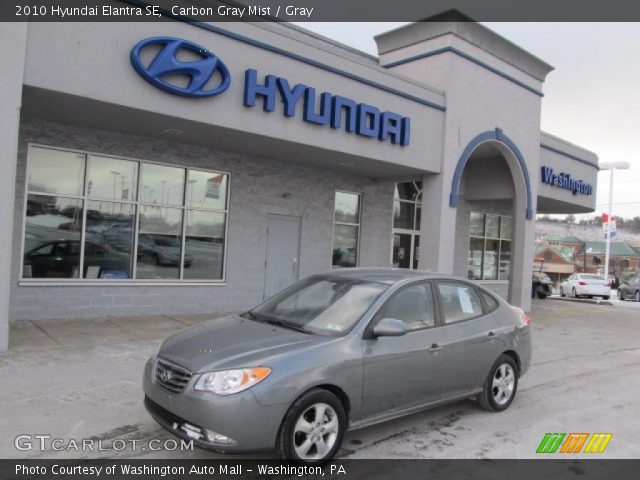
562, 293
501, 385
620, 295
574, 294
606, 297
312, 429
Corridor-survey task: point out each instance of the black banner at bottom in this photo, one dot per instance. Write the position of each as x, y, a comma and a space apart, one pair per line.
105, 469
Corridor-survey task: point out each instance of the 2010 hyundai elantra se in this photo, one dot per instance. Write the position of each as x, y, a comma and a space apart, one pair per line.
335, 352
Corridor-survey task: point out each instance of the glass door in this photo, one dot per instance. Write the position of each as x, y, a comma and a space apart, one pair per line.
406, 225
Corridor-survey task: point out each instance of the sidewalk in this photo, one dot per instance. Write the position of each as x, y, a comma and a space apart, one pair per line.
80, 379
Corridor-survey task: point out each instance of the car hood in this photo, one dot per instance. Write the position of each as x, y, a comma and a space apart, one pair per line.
233, 342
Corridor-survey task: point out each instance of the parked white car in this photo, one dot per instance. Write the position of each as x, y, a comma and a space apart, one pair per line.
585, 285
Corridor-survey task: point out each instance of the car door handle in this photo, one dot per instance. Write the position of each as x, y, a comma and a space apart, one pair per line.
435, 348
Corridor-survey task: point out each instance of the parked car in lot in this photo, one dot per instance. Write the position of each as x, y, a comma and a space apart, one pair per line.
161, 250
541, 285
60, 259
630, 289
334, 352
585, 285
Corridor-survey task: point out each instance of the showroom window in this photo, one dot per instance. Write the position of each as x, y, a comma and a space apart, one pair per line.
346, 229
489, 247
96, 217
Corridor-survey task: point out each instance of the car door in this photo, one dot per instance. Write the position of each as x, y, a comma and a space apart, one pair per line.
405, 371
566, 285
471, 342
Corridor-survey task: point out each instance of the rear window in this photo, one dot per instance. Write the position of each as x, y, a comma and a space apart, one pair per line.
591, 277
491, 302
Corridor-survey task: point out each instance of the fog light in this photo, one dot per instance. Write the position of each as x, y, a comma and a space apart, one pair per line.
215, 437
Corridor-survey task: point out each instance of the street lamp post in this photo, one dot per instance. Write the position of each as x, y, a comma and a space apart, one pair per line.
610, 166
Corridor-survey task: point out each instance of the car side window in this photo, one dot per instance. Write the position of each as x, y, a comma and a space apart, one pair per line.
459, 301
489, 301
413, 305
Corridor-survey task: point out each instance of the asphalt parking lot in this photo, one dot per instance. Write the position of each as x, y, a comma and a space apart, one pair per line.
81, 380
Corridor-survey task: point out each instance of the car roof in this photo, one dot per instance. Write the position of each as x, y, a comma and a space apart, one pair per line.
386, 275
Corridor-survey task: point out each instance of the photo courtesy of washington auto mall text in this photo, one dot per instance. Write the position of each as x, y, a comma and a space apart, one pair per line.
359, 239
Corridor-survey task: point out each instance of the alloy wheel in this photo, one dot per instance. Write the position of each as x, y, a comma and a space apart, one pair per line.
503, 383
316, 432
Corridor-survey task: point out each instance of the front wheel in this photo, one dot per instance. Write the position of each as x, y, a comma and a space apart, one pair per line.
500, 386
313, 428
620, 295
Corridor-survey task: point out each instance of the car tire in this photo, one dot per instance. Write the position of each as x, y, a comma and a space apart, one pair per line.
574, 294
606, 297
620, 295
562, 293
497, 393
301, 416
637, 297
542, 295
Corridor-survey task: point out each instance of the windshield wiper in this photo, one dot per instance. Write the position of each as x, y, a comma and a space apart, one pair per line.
249, 314
274, 321
286, 324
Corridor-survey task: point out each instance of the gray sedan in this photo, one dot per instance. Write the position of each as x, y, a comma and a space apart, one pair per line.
334, 352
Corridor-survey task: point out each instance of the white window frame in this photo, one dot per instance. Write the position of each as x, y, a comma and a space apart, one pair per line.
335, 222
484, 238
137, 203
417, 207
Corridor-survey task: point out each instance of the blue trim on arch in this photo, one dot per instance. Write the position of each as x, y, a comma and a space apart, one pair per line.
472, 59
286, 53
497, 135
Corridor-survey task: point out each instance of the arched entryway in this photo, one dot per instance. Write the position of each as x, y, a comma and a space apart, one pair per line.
491, 194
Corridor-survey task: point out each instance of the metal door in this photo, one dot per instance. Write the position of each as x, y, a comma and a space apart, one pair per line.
282, 263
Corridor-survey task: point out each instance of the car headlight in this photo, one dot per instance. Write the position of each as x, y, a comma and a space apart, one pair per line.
228, 382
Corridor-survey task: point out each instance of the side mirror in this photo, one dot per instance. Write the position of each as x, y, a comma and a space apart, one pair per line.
390, 327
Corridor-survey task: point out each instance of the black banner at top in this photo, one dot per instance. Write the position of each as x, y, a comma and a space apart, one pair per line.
320, 10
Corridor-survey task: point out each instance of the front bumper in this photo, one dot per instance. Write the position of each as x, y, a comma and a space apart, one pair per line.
240, 416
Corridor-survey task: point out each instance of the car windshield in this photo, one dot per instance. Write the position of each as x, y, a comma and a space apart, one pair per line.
320, 305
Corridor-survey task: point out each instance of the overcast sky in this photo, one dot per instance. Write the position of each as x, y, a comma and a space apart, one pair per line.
592, 98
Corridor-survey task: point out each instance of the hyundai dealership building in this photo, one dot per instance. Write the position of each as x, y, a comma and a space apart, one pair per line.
176, 167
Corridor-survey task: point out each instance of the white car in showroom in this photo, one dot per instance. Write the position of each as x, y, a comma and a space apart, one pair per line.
585, 285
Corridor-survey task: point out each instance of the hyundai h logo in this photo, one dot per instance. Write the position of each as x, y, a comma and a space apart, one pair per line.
206, 75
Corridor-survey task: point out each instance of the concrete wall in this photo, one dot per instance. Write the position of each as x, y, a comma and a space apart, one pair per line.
256, 188
14, 34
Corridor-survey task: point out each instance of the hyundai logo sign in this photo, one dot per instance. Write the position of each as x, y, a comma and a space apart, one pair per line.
166, 63
319, 108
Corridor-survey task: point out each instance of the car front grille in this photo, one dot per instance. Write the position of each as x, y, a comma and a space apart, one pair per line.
170, 376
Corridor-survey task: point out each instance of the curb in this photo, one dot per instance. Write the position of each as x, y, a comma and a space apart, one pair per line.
581, 300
